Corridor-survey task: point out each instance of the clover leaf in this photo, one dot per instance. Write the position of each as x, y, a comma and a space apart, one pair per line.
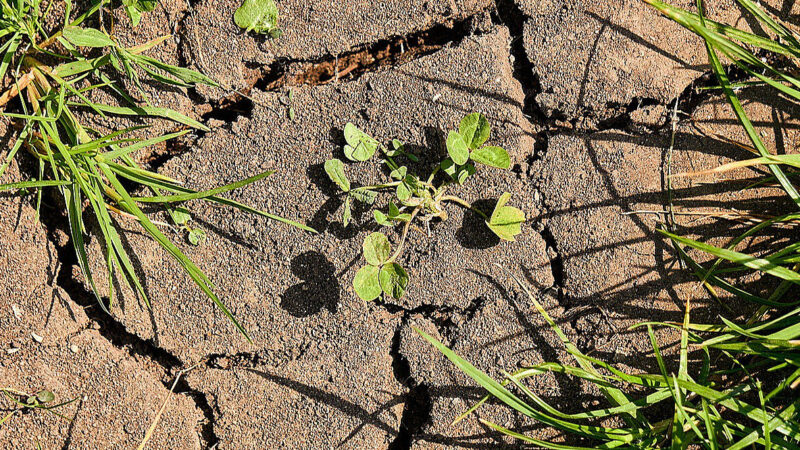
474, 129
360, 146
506, 221
492, 156
457, 148
335, 170
260, 16
393, 280
367, 283
376, 249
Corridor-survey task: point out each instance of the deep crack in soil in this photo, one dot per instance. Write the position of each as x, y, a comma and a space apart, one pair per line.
159, 362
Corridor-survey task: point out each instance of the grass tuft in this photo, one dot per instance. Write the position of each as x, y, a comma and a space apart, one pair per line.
743, 391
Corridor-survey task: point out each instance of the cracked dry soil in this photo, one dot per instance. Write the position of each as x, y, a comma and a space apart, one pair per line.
579, 92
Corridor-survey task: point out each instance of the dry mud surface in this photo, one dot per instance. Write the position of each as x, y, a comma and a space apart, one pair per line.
579, 92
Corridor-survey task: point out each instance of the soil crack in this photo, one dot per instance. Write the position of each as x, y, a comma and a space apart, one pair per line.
155, 360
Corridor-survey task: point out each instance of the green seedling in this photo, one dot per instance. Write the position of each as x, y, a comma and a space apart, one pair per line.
92, 171
259, 16
40, 401
417, 199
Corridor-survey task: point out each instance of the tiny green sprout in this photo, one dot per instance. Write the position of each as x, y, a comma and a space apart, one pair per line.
417, 198
259, 16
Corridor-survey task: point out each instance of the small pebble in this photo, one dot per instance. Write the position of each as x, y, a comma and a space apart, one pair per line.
37, 338
73, 348
11, 351
17, 311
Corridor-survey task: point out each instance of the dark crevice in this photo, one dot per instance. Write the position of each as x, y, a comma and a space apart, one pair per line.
418, 403
508, 14
556, 265
346, 66
162, 363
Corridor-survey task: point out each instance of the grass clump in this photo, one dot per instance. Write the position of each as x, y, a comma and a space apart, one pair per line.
53, 77
743, 390
417, 199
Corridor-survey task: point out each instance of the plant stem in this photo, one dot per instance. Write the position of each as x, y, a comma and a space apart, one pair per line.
403, 236
465, 204
376, 186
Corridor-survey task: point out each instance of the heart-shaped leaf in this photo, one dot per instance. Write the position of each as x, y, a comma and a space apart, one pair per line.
87, 37
474, 128
367, 283
360, 146
376, 248
457, 148
492, 156
260, 16
335, 170
394, 280
506, 221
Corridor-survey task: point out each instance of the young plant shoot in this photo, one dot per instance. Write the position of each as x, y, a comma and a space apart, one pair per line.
95, 172
417, 199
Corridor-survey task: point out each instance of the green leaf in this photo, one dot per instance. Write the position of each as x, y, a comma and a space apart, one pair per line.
457, 148
399, 173
197, 236
45, 396
381, 218
347, 214
449, 167
148, 111
188, 77
394, 213
364, 196
376, 248
87, 37
474, 128
181, 216
394, 280
464, 172
492, 156
367, 283
506, 221
403, 193
752, 262
397, 148
260, 16
335, 170
360, 146
135, 8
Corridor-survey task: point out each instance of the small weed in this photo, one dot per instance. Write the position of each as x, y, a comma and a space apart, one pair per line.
417, 199
259, 16
21, 402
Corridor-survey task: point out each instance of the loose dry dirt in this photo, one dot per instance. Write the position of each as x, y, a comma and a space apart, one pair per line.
580, 95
